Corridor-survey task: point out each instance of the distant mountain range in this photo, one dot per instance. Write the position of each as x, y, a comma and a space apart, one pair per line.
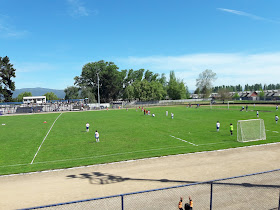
39, 92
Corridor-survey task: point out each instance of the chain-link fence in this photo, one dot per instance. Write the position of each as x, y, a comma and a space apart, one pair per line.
249, 192
49, 107
165, 103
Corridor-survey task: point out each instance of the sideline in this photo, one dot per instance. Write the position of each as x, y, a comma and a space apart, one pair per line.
92, 157
44, 139
126, 161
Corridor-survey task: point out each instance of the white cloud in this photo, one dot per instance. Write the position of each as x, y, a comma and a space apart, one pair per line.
7, 30
231, 69
46, 75
77, 8
255, 17
34, 67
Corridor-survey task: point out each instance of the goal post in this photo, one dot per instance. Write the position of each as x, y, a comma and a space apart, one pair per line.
229, 103
250, 130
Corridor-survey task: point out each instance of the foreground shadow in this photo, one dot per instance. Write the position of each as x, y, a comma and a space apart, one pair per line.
105, 178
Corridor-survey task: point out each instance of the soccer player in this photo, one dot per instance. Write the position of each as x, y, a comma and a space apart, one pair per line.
257, 113
218, 125
276, 118
153, 115
172, 115
276, 107
87, 126
96, 136
166, 113
231, 129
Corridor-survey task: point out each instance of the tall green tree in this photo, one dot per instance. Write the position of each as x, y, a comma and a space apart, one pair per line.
163, 80
176, 88
86, 92
110, 80
205, 81
21, 95
143, 85
150, 76
129, 93
138, 74
7, 72
71, 92
50, 96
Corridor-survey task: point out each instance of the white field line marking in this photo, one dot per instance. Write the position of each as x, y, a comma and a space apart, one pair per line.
45, 139
183, 140
211, 143
99, 156
20, 164
92, 157
275, 131
126, 161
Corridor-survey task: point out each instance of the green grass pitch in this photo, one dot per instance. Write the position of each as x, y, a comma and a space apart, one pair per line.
124, 135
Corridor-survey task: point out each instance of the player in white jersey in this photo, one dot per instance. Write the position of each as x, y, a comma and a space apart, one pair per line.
96, 136
276, 118
218, 125
87, 126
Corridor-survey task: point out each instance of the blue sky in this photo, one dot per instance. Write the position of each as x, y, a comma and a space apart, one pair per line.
49, 41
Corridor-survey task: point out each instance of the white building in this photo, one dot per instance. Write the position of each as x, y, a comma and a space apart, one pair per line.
34, 99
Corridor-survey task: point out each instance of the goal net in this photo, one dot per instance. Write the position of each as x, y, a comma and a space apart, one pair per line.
250, 130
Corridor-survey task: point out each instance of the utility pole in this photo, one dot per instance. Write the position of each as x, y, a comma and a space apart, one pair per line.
98, 89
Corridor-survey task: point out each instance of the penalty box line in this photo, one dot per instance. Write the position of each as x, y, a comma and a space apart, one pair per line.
45, 139
183, 140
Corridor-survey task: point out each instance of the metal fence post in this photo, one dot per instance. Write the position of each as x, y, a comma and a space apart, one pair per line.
279, 201
211, 195
122, 202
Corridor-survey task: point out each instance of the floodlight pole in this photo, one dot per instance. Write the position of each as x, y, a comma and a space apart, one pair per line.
98, 89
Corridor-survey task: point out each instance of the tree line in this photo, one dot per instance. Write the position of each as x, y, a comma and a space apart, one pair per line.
238, 88
112, 84
103, 81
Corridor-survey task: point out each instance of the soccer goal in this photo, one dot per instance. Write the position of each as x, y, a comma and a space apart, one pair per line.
229, 103
250, 130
